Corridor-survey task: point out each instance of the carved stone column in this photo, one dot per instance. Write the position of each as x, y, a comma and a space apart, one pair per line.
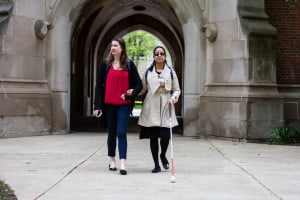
241, 99
265, 104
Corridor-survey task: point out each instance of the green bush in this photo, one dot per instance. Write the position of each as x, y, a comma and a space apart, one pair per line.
285, 135
5, 192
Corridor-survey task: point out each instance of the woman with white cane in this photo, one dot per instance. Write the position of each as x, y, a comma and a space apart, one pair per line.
161, 84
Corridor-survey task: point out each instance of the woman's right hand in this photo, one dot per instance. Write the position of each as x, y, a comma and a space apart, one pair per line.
171, 101
97, 113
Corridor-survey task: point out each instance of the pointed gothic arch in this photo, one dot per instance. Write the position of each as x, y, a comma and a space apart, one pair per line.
92, 35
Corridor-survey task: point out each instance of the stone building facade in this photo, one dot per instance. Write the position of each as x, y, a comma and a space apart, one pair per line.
224, 53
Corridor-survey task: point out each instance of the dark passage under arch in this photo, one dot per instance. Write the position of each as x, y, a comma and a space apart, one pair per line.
94, 26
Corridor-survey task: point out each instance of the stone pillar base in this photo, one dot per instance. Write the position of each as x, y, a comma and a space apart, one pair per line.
252, 116
25, 115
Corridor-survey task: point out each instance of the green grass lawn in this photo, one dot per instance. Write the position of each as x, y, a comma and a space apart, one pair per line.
138, 104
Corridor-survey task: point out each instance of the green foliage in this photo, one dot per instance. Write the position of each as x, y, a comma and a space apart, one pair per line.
2, 184
5, 192
138, 104
285, 135
2, 189
140, 44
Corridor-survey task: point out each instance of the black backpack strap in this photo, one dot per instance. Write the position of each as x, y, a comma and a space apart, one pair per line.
128, 64
146, 74
171, 72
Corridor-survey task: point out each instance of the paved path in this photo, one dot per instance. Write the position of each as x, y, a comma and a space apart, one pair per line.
75, 166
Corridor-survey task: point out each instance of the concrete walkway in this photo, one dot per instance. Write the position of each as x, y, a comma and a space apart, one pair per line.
75, 166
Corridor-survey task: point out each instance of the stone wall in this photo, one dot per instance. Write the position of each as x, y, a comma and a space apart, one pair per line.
25, 107
241, 99
229, 73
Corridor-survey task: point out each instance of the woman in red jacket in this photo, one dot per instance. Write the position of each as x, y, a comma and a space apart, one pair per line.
117, 85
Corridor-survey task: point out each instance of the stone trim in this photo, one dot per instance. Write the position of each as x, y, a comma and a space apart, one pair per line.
254, 19
6, 7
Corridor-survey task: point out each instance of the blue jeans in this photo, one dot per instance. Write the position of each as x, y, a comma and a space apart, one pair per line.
117, 122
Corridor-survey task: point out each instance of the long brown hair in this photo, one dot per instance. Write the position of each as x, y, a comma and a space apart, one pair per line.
123, 57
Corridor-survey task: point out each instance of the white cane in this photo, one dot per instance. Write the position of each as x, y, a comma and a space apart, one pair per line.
171, 140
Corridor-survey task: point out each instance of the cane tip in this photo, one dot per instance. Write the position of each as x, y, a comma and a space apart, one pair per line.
173, 180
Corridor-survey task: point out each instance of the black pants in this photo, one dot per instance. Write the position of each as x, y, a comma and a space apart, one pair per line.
164, 136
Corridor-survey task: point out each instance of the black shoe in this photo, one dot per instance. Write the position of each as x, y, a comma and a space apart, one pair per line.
166, 166
112, 168
156, 169
164, 161
123, 172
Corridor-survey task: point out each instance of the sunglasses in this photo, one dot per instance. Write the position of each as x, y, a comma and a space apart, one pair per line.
159, 54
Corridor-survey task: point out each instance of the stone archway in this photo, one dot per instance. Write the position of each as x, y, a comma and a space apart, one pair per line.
229, 85
93, 33
77, 26
224, 91
229, 79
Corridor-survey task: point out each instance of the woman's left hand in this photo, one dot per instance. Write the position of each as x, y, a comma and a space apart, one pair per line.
128, 93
